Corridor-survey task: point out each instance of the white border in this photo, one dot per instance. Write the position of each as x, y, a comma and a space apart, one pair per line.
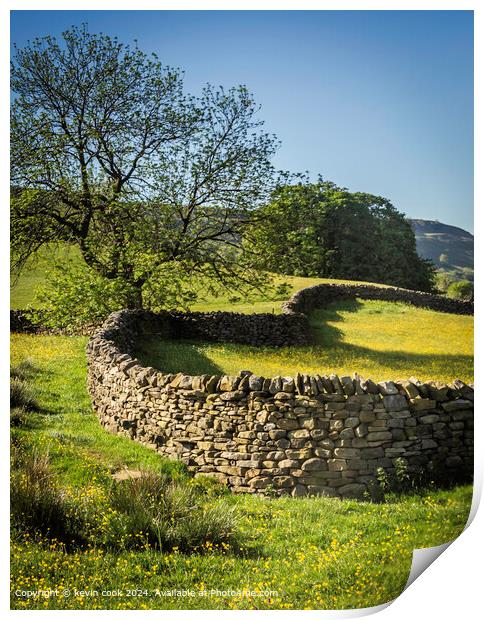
451, 586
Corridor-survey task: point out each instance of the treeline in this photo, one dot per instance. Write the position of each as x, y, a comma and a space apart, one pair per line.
322, 230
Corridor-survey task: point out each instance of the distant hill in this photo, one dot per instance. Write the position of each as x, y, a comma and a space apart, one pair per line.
448, 247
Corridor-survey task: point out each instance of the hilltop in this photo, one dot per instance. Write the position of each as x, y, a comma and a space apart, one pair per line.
450, 248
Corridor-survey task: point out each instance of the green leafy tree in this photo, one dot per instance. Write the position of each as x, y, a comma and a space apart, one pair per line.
320, 229
443, 279
76, 297
444, 259
463, 290
109, 154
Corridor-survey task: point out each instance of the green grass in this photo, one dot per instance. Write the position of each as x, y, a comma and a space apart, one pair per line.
259, 304
311, 553
316, 553
67, 428
379, 340
36, 271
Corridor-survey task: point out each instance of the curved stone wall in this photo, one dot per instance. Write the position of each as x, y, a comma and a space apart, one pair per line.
321, 295
289, 328
264, 329
299, 435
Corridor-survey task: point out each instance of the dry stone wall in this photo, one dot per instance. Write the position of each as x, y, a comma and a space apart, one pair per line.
300, 435
264, 329
286, 329
254, 329
321, 295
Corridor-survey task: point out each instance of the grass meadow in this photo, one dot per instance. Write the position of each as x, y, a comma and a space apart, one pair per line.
315, 553
310, 553
39, 267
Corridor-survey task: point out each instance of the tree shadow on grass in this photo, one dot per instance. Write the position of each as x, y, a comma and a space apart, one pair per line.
172, 356
423, 366
329, 336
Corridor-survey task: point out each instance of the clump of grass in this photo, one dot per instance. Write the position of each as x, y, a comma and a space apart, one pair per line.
171, 514
18, 417
25, 370
154, 511
37, 503
209, 487
23, 395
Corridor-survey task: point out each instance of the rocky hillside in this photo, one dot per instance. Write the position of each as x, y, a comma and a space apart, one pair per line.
448, 247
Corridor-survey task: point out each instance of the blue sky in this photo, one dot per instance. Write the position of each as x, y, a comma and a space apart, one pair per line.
376, 101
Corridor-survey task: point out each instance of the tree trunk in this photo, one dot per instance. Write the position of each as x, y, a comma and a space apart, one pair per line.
134, 299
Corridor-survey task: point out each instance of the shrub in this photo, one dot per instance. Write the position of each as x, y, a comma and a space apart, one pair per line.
401, 480
160, 513
76, 298
461, 290
443, 280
